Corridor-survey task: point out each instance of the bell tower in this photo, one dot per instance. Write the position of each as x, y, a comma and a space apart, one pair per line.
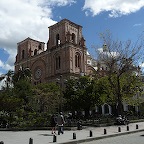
67, 49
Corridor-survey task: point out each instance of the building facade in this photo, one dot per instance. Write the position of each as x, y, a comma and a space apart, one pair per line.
65, 56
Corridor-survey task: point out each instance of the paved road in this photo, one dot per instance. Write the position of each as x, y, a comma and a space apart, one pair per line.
45, 136
135, 138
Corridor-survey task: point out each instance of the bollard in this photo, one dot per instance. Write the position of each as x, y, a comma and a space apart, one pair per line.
54, 138
30, 141
127, 128
91, 133
1, 142
119, 129
105, 132
74, 135
136, 126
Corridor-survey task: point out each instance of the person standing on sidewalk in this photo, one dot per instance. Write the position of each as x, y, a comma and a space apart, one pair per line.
60, 123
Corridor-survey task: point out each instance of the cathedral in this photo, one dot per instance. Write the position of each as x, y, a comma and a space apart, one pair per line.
65, 57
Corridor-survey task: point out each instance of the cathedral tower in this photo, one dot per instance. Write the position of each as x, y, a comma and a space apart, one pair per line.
68, 51
65, 57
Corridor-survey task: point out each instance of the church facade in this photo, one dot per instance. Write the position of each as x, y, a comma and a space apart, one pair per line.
65, 57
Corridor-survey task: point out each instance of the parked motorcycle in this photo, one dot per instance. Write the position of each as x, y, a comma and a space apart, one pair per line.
121, 120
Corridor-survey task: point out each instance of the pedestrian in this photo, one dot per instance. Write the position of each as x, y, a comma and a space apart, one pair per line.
53, 124
60, 123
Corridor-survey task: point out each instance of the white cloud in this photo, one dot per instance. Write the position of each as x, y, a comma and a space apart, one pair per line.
6, 66
142, 65
1, 64
20, 19
115, 8
137, 25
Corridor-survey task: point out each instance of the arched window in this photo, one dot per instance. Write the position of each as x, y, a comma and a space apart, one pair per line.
106, 109
77, 60
57, 40
73, 37
40, 46
23, 54
58, 62
35, 52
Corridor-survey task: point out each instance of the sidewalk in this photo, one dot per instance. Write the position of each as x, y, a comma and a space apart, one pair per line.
71, 137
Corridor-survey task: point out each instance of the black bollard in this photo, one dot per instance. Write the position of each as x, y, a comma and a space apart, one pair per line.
74, 135
105, 132
54, 138
136, 126
30, 141
91, 133
1, 142
127, 128
119, 129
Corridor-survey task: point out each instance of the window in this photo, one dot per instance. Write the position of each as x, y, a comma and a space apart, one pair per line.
73, 37
35, 52
77, 60
40, 46
23, 54
57, 40
58, 63
106, 109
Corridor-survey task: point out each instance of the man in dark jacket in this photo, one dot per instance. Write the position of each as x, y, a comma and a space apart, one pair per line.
60, 123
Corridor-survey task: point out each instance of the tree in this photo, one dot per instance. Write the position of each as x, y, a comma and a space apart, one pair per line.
83, 94
120, 61
22, 74
22, 85
46, 97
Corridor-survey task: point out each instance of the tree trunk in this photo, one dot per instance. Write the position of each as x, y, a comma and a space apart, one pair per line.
120, 108
119, 98
86, 113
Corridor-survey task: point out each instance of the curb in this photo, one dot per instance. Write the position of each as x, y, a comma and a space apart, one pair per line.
101, 137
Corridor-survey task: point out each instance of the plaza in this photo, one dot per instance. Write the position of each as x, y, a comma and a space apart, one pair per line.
45, 136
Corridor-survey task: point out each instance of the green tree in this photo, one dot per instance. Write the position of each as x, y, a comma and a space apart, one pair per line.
120, 60
83, 94
46, 97
22, 74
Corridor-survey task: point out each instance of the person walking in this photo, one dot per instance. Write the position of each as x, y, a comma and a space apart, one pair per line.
53, 124
60, 123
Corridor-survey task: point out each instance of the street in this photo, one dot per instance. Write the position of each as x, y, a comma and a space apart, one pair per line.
135, 138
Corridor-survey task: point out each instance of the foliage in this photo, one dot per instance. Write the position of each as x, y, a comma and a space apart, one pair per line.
83, 94
22, 74
46, 97
120, 60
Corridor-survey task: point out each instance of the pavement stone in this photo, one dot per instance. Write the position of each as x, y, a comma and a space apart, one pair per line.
69, 136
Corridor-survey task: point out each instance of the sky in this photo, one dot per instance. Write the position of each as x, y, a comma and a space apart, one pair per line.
20, 19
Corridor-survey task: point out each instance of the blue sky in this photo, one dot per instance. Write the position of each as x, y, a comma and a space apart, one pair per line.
20, 19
